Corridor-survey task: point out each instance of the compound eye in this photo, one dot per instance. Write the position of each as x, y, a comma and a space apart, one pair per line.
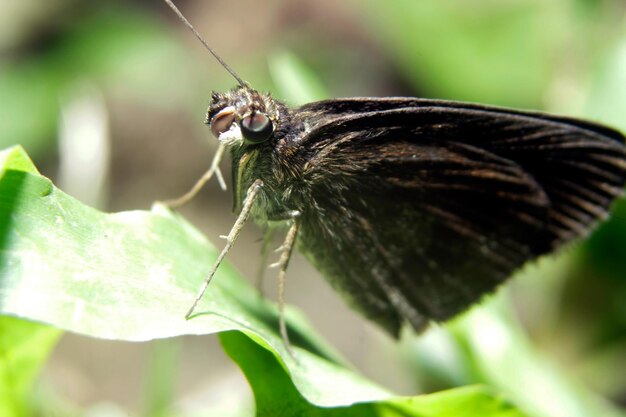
222, 121
257, 127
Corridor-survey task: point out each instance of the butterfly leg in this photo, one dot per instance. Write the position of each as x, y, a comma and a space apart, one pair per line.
214, 169
251, 195
268, 238
283, 263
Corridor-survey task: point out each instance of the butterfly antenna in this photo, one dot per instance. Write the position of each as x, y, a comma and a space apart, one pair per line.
206, 45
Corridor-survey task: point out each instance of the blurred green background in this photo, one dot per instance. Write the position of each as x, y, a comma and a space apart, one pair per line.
143, 82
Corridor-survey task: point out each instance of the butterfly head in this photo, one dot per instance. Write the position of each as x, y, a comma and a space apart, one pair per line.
243, 116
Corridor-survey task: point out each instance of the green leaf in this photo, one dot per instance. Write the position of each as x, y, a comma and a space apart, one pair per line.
24, 347
277, 396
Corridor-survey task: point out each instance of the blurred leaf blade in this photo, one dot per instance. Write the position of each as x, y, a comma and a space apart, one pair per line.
159, 386
454, 49
506, 359
295, 82
24, 348
608, 91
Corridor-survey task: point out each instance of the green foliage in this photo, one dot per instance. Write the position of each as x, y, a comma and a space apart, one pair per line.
24, 348
116, 47
506, 53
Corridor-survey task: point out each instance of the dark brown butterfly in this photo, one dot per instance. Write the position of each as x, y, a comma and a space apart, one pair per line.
413, 208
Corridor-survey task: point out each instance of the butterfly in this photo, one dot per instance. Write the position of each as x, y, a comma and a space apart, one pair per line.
412, 208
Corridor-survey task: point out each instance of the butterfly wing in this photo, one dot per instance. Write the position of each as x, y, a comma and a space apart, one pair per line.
417, 208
